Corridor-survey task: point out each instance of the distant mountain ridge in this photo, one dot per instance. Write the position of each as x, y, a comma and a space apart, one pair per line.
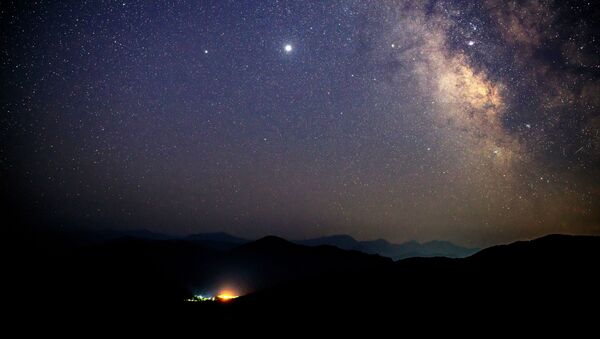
383, 247
217, 236
226, 241
217, 240
436, 248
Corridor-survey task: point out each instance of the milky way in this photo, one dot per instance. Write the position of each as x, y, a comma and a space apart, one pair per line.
472, 122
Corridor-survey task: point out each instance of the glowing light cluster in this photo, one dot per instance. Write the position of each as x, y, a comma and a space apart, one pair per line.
200, 298
223, 296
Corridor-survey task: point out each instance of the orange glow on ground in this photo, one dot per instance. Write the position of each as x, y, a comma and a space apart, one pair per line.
226, 296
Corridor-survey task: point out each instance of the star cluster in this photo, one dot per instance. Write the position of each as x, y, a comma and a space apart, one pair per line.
472, 122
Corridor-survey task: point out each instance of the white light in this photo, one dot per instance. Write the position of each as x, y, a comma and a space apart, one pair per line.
288, 48
471, 43
205, 51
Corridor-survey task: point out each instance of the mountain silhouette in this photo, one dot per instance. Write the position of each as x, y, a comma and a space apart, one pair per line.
395, 251
217, 240
271, 260
272, 274
540, 276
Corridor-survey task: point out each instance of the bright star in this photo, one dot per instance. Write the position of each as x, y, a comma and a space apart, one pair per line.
471, 43
288, 48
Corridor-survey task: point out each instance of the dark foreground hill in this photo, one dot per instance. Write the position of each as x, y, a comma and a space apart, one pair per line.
550, 274
142, 271
274, 276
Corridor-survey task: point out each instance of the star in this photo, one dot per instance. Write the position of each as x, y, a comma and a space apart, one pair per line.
231, 95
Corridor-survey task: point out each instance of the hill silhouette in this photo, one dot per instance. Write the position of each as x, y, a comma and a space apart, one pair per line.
147, 271
217, 240
272, 273
395, 251
272, 260
542, 275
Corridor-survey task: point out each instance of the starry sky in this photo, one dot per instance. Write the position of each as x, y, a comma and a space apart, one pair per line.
475, 122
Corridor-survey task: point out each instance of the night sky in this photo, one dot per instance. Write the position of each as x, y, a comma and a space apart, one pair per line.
474, 122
